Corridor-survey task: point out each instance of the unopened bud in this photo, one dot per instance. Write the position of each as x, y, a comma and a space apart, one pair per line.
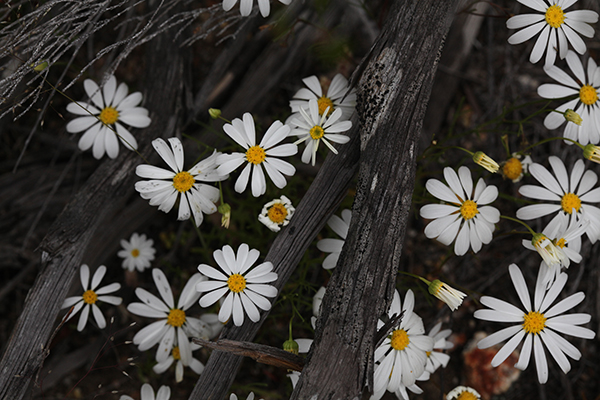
573, 117
214, 113
592, 153
486, 162
291, 346
225, 210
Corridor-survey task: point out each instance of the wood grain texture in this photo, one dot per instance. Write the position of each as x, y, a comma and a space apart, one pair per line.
392, 97
73, 231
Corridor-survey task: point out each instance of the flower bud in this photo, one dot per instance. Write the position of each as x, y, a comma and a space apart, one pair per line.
573, 117
215, 113
486, 162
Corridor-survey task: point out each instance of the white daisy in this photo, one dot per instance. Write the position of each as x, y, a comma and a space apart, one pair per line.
174, 322
585, 88
245, 288
463, 393
246, 6
334, 246
265, 154
462, 218
277, 213
313, 128
436, 359
402, 391
514, 168
557, 28
446, 293
571, 192
338, 95
110, 109
167, 186
402, 356
137, 252
564, 233
538, 324
250, 396
147, 393
91, 296
175, 357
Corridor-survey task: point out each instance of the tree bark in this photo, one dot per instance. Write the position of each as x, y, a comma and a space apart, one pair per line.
70, 235
392, 97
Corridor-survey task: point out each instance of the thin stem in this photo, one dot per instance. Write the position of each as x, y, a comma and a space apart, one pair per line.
416, 276
520, 222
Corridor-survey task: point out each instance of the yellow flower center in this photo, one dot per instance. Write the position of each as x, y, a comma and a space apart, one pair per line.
513, 169
176, 354
256, 155
135, 253
109, 116
534, 322
236, 283
588, 95
183, 181
561, 243
570, 201
468, 209
323, 103
176, 318
399, 339
90, 297
316, 132
466, 396
428, 353
555, 16
277, 213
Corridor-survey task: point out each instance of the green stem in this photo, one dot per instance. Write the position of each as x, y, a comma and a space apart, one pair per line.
416, 277
549, 140
520, 222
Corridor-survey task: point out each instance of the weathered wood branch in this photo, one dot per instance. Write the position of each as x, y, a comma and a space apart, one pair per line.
392, 97
66, 243
259, 352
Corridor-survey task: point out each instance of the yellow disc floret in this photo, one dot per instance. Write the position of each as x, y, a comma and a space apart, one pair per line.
236, 283
135, 253
323, 103
560, 243
588, 95
109, 116
569, 202
555, 16
512, 169
176, 354
90, 297
467, 396
316, 132
255, 155
534, 322
183, 181
277, 213
176, 318
468, 210
399, 339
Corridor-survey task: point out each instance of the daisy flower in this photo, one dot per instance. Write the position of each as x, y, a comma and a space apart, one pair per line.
137, 252
109, 109
250, 396
338, 95
557, 28
174, 323
277, 213
147, 393
565, 234
265, 153
175, 357
167, 186
538, 325
334, 246
246, 6
91, 296
446, 293
402, 391
571, 192
246, 288
317, 300
402, 356
463, 393
514, 168
314, 128
585, 90
462, 217
436, 359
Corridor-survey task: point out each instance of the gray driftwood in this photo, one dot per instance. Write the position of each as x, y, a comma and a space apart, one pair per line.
392, 97
72, 233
